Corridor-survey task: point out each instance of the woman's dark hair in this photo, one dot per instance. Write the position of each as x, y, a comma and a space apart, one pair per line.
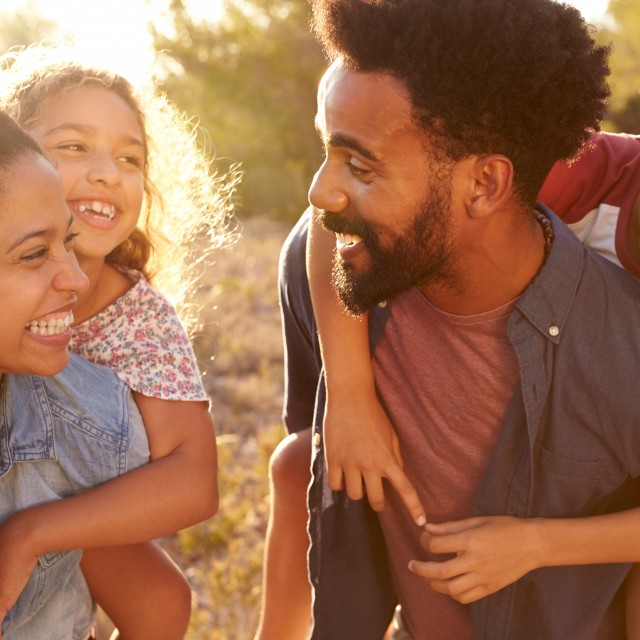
14, 145
523, 78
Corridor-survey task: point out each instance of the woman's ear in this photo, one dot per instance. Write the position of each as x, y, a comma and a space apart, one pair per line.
491, 184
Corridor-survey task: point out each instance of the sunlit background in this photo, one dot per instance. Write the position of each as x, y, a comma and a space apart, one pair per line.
248, 71
117, 31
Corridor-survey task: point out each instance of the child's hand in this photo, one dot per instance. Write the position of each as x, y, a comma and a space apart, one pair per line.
16, 565
491, 553
360, 443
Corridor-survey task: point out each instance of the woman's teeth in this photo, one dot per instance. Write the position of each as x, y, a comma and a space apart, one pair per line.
51, 327
107, 210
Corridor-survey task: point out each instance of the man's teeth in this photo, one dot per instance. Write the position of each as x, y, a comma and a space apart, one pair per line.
51, 327
107, 210
348, 238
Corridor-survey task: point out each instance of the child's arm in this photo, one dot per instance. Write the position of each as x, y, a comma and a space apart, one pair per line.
632, 602
359, 441
143, 592
177, 489
492, 552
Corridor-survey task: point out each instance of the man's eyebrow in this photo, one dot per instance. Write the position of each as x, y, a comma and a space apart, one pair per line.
339, 140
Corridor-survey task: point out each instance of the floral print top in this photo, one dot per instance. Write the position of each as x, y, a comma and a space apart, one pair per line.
141, 339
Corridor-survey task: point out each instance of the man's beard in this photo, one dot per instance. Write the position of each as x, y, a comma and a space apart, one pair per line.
421, 255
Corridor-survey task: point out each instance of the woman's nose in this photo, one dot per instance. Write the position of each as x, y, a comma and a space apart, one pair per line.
70, 277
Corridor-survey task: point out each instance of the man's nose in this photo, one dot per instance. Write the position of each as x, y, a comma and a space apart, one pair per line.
326, 191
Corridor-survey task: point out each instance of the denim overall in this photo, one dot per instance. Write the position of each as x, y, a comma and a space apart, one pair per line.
60, 436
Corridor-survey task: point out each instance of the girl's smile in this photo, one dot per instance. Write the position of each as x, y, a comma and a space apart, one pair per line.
97, 145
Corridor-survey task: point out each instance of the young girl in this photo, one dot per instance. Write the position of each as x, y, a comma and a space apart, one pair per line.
145, 204
598, 195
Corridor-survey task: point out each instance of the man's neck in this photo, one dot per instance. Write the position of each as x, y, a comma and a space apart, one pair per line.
496, 267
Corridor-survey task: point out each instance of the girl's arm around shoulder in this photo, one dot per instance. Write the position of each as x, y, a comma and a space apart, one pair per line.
181, 434
176, 489
487, 553
360, 444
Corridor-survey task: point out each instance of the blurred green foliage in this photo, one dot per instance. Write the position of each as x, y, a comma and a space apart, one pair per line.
623, 29
23, 27
251, 79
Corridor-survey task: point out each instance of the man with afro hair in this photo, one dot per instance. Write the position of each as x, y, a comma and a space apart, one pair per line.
503, 350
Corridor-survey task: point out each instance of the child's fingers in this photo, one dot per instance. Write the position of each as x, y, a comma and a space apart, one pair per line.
408, 494
353, 483
334, 478
456, 543
395, 445
375, 491
455, 526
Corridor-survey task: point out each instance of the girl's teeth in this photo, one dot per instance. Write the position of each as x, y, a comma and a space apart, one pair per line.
50, 327
96, 207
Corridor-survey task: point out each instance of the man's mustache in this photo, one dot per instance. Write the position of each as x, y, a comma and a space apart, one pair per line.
339, 224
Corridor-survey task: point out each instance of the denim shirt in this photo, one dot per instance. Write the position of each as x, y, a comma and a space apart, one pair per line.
569, 446
58, 437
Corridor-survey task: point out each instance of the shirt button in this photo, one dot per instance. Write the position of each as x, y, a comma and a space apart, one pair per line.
382, 304
553, 330
316, 439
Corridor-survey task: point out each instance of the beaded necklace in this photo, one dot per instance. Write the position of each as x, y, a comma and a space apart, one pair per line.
547, 230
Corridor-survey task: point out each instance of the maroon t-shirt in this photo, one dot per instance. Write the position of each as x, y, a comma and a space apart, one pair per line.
445, 381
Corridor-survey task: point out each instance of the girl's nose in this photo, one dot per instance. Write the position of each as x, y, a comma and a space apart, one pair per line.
104, 169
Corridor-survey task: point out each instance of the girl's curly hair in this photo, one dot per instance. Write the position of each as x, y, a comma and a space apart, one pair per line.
523, 78
188, 207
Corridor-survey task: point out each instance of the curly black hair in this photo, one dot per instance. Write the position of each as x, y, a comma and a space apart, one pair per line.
523, 78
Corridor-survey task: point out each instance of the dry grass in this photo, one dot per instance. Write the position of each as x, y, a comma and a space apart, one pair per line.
241, 348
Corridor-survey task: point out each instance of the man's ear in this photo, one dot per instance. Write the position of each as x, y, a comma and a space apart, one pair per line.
491, 185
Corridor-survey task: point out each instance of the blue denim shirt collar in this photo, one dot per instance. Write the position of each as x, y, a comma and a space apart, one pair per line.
547, 301
25, 415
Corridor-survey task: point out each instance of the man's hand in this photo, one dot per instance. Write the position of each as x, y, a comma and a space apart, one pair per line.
491, 552
360, 444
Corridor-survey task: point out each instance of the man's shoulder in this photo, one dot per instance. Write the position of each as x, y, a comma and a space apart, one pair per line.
294, 250
607, 307
295, 297
579, 295
617, 288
